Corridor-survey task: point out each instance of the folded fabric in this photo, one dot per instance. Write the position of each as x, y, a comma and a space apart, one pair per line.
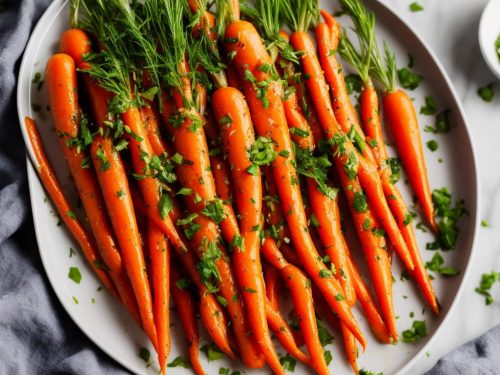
36, 334
480, 356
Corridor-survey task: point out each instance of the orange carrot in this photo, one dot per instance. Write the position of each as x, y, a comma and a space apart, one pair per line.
283, 333
232, 114
269, 119
300, 289
51, 185
63, 96
273, 286
371, 121
190, 143
160, 269
186, 310
400, 114
75, 43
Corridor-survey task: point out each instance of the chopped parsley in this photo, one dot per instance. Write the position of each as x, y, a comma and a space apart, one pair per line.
325, 273
442, 124
328, 357
416, 7
325, 336
288, 363
183, 284
215, 210
351, 166
436, 265
165, 204
432, 145
486, 93
487, 281
360, 203
207, 267
212, 352
448, 216
105, 164
366, 372
430, 107
179, 362
408, 79
395, 165
75, 275
145, 355
417, 332
485, 224
353, 83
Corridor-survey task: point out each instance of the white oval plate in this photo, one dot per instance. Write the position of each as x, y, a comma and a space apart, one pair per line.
106, 323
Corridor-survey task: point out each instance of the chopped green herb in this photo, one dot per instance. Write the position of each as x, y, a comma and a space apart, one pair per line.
222, 301
379, 232
367, 224
360, 203
249, 290
71, 215
486, 93
432, 145
408, 79
105, 164
212, 352
487, 281
75, 300
416, 7
366, 372
165, 204
418, 331
436, 265
179, 362
449, 217
324, 335
314, 221
184, 191
215, 210
299, 132
351, 166
207, 267
75, 275
485, 224
288, 363
430, 107
225, 120
145, 355
71, 252
262, 151
353, 83
409, 217
328, 357
395, 165
325, 273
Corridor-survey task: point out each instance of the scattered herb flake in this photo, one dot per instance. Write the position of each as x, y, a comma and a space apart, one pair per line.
487, 281
145, 355
436, 265
485, 224
430, 107
432, 145
416, 7
75, 275
212, 352
288, 363
179, 362
486, 93
418, 331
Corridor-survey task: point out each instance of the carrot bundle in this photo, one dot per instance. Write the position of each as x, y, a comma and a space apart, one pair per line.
177, 167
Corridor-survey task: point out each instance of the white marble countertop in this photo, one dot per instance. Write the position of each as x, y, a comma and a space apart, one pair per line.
450, 27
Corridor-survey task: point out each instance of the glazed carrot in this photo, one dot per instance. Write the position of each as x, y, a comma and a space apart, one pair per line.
63, 96
269, 119
75, 43
190, 142
186, 310
370, 118
273, 286
114, 185
367, 173
232, 114
375, 321
399, 113
160, 269
374, 248
51, 185
150, 119
283, 334
300, 290
211, 312
369, 110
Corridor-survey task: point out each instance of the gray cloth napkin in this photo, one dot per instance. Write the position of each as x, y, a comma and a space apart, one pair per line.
36, 334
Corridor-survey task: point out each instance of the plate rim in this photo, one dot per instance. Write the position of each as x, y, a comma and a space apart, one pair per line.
31, 166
